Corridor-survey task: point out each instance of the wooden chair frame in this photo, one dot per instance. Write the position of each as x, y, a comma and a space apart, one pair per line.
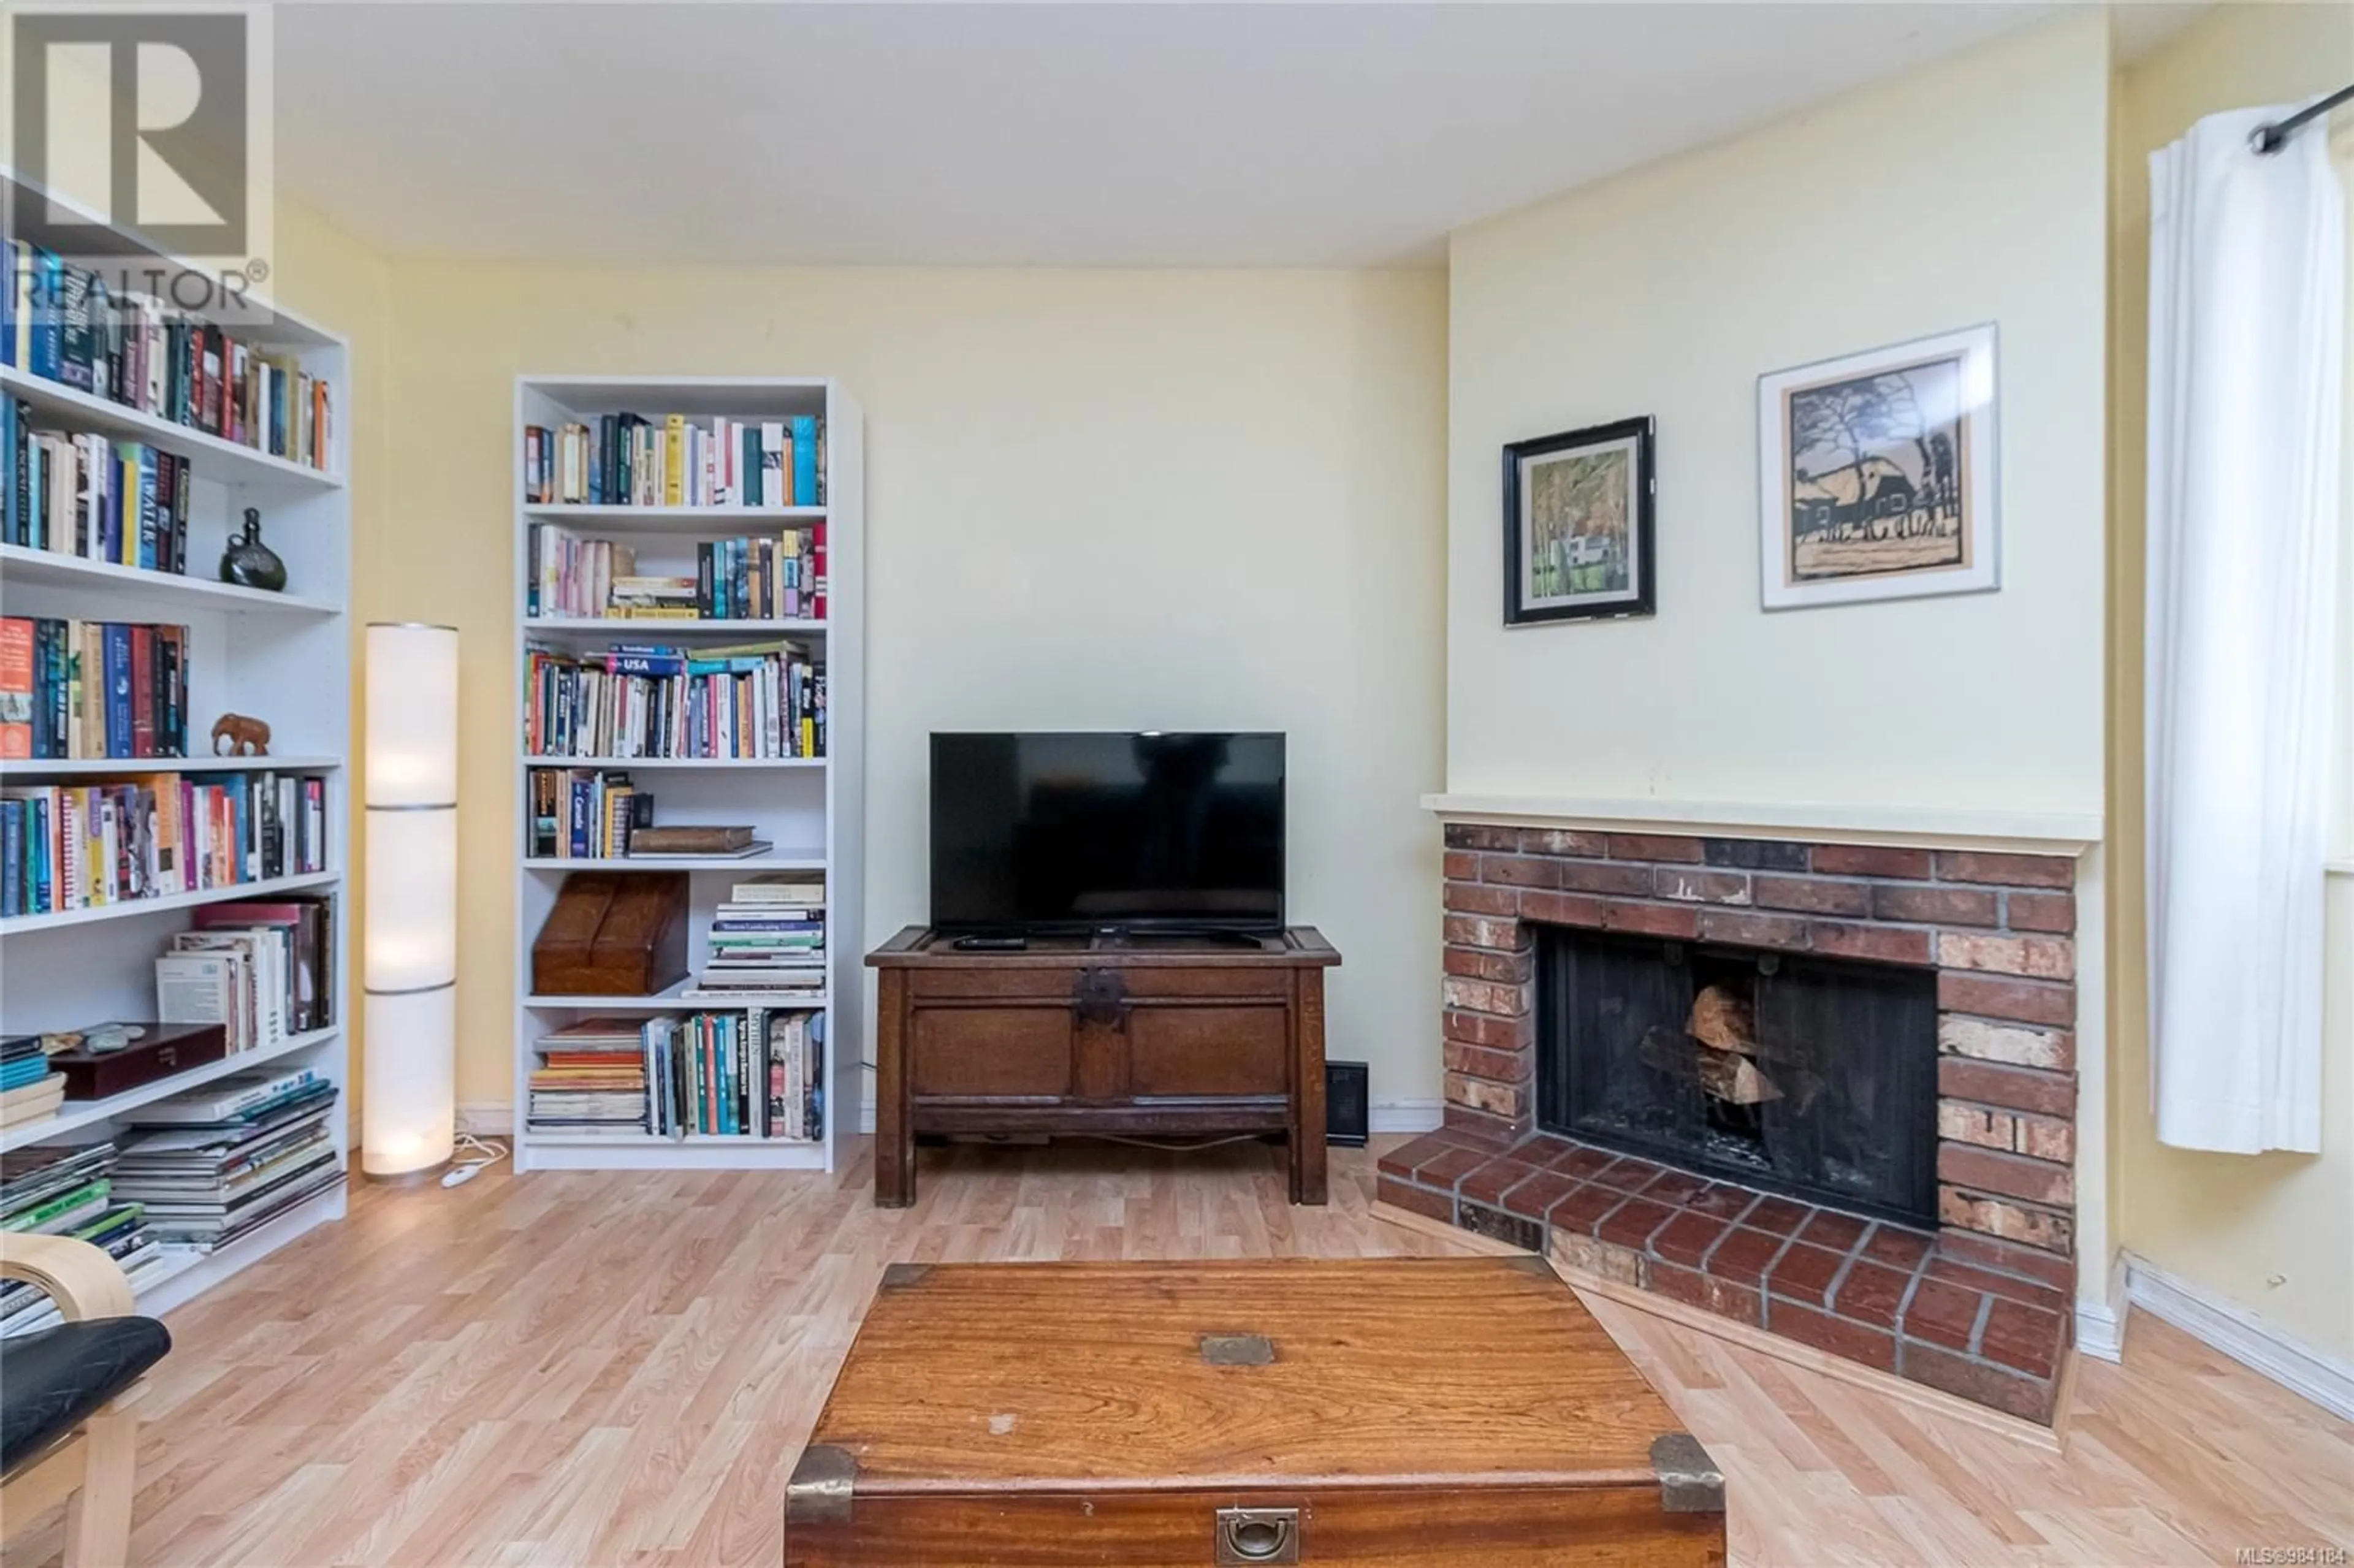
91, 1470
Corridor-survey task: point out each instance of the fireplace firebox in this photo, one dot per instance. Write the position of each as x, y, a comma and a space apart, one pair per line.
1814, 1076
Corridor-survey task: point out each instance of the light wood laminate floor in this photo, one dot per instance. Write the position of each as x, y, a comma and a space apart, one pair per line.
572, 1369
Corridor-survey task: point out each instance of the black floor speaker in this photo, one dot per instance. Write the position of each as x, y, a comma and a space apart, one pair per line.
1348, 1112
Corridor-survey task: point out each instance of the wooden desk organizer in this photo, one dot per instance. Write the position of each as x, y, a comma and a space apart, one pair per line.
612, 934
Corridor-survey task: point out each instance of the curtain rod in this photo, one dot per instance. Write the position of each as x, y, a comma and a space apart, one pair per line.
2272, 138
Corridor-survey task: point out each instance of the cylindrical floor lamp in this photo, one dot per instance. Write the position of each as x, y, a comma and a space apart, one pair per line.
409, 1070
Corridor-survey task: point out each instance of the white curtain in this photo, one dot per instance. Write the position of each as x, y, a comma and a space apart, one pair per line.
2247, 346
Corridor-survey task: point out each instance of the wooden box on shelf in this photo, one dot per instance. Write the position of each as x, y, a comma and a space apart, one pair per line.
613, 935
156, 1051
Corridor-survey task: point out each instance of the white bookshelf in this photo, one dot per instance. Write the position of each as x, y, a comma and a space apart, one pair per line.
283, 658
810, 808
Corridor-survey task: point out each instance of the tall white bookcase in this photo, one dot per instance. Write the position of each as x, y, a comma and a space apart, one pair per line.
811, 809
284, 658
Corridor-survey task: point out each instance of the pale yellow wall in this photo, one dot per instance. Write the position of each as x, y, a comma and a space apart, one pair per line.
2273, 1233
1973, 191
1095, 499
1967, 192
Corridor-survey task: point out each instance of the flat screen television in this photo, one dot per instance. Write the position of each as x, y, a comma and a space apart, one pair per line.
1052, 833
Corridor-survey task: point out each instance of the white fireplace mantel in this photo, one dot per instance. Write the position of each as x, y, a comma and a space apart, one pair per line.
1933, 827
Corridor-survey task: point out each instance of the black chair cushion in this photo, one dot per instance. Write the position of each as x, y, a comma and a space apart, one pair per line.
53, 1379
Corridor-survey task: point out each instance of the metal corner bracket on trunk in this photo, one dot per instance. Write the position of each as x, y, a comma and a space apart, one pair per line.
1690, 1481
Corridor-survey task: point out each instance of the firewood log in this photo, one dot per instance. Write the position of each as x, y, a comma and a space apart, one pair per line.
1724, 1021
1727, 1075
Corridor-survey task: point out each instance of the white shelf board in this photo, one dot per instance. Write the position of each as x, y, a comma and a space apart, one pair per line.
547, 1151
669, 1001
197, 1272
691, 1140
215, 458
76, 1114
657, 628
59, 769
25, 924
667, 519
744, 762
812, 861
21, 567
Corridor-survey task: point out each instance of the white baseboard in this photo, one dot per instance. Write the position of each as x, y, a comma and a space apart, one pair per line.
1406, 1115
495, 1119
2240, 1334
2101, 1324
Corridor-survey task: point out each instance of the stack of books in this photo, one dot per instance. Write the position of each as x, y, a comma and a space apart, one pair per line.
215, 1163
579, 813
627, 459
769, 935
265, 971
92, 689
28, 1090
63, 325
67, 1189
123, 502
591, 1078
755, 700
780, 578
67, 846
753, 1073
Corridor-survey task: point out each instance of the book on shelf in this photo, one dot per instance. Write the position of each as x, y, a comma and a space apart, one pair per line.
763, 700
216, 1163
629, 459
768, 935
22, 1059
262, 971
36, 1101
79, 494
753, 1073
68, 1190
29, 1090
803, 888
92, 689
772, 578
730, 841
80, 846
64, 324
578, 813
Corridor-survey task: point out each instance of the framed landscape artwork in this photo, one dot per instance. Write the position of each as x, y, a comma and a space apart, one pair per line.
1577, 524
1876, 474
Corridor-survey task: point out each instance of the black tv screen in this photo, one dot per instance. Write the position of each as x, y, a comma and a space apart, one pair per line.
1061, 832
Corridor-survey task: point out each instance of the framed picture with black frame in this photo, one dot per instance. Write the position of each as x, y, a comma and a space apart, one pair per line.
1577, 524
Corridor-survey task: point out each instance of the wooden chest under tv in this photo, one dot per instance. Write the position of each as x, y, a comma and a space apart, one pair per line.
1412, 1413
1143, 1037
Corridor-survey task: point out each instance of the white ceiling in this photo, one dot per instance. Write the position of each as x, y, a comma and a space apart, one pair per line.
990, 134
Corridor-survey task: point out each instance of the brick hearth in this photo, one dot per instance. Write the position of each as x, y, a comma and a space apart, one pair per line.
1980, 1306
1905, 1301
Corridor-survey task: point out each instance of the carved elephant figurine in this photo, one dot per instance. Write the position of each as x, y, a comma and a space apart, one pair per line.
246, 736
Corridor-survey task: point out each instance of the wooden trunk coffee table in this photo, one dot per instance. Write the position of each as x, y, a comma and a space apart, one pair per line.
1405, 1411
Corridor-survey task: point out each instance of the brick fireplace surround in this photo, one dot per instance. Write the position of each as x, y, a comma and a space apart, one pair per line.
1979, 1307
